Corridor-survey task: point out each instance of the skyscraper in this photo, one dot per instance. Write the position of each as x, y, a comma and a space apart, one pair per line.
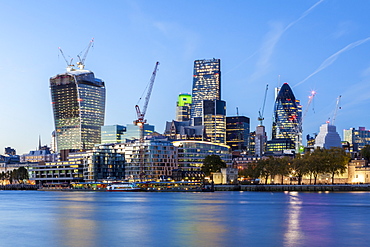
78, 100
237, 132
206, 84
214, 120
287, 117
183, 107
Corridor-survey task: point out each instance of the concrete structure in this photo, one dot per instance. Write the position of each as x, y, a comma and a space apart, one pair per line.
226, 176
357, 139
260, 140
78, 101
327, 137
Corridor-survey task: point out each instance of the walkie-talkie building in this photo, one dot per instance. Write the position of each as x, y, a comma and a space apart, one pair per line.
78, 100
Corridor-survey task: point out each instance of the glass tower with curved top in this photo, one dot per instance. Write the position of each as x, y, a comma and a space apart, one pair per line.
78, 100
287, 116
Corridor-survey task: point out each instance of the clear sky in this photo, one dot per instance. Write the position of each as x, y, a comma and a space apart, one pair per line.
311, 44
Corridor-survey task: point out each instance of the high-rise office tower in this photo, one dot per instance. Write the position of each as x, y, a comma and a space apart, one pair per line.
357, 139
183, 107
237, 132
206, 84
78, 100
287, 118
214, 120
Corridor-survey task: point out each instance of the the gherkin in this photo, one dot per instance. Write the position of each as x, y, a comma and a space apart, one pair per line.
287, 116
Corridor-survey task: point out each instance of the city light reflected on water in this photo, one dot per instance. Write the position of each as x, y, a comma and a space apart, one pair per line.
31, 218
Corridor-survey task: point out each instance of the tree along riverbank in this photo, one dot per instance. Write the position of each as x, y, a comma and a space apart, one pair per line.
335, 187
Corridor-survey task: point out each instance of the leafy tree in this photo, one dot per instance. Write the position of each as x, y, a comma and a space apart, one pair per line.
299, 166
337, 161
212, 163
365, 152
316, 163
250, 171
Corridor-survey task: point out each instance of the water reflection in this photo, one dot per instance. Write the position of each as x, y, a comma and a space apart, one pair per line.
293, 235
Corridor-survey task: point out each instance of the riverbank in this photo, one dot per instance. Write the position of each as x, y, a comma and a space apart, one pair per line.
326, 187
19, 187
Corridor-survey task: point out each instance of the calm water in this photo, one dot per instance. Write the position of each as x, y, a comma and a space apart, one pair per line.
37, 218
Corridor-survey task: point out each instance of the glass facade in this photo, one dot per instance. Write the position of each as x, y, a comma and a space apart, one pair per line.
357, 138
214, 120
206, 84
287, 116
112, 133
237, 132
133, 131
192, 153
78, 100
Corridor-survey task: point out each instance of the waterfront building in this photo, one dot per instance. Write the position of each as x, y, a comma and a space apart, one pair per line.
357, 139
237, 132
59, 172
280, 146
154, 158
43, 154
214, 120
328, 137
133, 131
112, 134
104, 162
227, 175
192, 153
183, 107
78, 101
287, 119
183, 130
206, 85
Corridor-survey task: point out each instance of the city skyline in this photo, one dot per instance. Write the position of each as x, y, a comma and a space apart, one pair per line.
312, 45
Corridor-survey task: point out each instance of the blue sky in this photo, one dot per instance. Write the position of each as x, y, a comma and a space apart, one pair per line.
312, 45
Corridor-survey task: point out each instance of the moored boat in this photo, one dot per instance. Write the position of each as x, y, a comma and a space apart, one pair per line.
123, 187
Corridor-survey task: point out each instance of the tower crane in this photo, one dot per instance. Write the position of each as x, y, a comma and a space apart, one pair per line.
261, 118
140, 121
141, 114
81, 62
69, 64
336, 109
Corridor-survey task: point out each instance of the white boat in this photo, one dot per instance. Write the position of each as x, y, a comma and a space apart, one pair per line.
123, 187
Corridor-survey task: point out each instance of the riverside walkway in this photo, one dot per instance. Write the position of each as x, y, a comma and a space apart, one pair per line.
286, 187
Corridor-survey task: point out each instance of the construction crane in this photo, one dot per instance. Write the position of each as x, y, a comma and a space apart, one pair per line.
69, 64
336, 110
261, 118
81, 62
141, 114
140, 121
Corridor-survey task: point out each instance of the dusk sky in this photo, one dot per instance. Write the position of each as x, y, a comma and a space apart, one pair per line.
313, 45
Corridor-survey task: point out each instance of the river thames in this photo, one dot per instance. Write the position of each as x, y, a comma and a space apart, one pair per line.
44, 218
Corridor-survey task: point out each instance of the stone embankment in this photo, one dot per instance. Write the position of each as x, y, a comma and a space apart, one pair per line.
19, 187
261, 187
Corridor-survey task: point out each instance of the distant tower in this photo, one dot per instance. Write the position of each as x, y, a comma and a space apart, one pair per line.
206, 84
78, 100
286, 126
260, 140
237, 132
328, 137
183, 107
